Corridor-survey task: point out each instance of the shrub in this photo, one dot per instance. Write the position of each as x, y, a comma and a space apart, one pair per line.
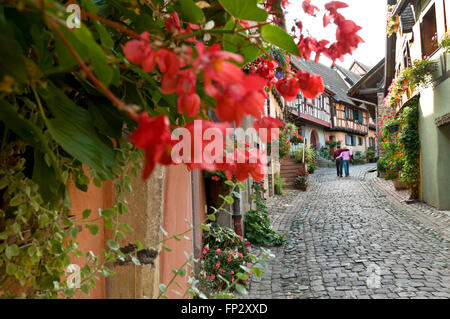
311, 168
370, 153
257, 223
223, 256
301, 179
358, 158
279, 184
258, 230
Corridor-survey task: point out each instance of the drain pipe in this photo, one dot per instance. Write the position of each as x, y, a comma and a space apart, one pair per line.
237, 216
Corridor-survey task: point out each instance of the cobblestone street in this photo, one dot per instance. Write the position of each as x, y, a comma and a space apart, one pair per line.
355, 238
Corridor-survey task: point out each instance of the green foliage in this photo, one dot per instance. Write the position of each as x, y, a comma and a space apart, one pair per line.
224, 256
310, 156
409, 139
445, 42
301, 179
257, 222
358, 158
279, 184
371, 153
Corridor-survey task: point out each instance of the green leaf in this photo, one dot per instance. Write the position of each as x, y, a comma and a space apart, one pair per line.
11, 269
88, 49
93, 229
87, 213
135, 261
12, 61
113, 244
245, 10
16, 200
12, 251
73, 129
181, 272
277, 36
212, 217
257, 271
85, 288
166, 248
205, 227
29, 132
74, 232
127, 227
229, 183
192, 12
241, 289
107, 213
162, 287
138, 245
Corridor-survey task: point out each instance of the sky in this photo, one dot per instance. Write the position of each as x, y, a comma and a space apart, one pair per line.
368, 14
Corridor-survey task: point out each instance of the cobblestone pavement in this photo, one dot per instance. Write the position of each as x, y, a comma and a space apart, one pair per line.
355, 238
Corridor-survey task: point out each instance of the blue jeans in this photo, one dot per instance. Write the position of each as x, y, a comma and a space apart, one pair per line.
346, 167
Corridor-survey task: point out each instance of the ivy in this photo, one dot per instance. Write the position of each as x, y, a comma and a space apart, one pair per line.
410, 142
257, 222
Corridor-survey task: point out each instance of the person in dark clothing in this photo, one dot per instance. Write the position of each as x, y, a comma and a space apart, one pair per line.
339, 160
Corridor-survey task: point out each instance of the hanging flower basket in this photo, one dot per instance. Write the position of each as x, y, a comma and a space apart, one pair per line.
394, 128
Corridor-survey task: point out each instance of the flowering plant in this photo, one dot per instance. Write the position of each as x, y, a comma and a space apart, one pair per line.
392, 21
296, 138
301, 179
222, 259
445, 42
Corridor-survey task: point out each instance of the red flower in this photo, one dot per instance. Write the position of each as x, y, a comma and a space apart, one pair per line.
197, 129
137, 50
311, 85
308, 8
272, 125
236, 100
172, 23
288, 88
215, 67
189, 103
154, 137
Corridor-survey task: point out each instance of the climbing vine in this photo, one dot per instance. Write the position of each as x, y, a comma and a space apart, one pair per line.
409, 140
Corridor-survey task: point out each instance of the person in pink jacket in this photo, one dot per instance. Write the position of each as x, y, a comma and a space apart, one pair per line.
346, 156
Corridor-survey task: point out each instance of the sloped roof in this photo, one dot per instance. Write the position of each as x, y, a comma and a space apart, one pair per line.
331, 79
352, 77
358, 84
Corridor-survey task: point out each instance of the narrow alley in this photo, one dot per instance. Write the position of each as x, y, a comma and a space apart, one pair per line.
355, 238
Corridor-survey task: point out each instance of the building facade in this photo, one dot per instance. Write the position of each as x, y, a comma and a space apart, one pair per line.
422, 24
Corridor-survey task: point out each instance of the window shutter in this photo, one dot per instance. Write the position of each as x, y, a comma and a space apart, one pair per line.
353, 140
361, 118
346, 113
347, 139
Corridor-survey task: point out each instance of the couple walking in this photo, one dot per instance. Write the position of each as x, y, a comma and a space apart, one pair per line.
343, 158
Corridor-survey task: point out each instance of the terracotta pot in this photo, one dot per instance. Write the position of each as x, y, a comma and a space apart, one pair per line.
398, 184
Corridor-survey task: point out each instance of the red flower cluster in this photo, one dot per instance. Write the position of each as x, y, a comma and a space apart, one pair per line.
154, 137
347, 39
273, 128
310, 85
309, 8
265, 69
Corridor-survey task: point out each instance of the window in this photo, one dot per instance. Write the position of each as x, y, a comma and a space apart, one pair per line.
428, 31
347, 113
350, 140
355, 115
360, 140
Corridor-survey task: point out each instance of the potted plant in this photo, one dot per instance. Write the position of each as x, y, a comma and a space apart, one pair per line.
296, 138
301, 179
